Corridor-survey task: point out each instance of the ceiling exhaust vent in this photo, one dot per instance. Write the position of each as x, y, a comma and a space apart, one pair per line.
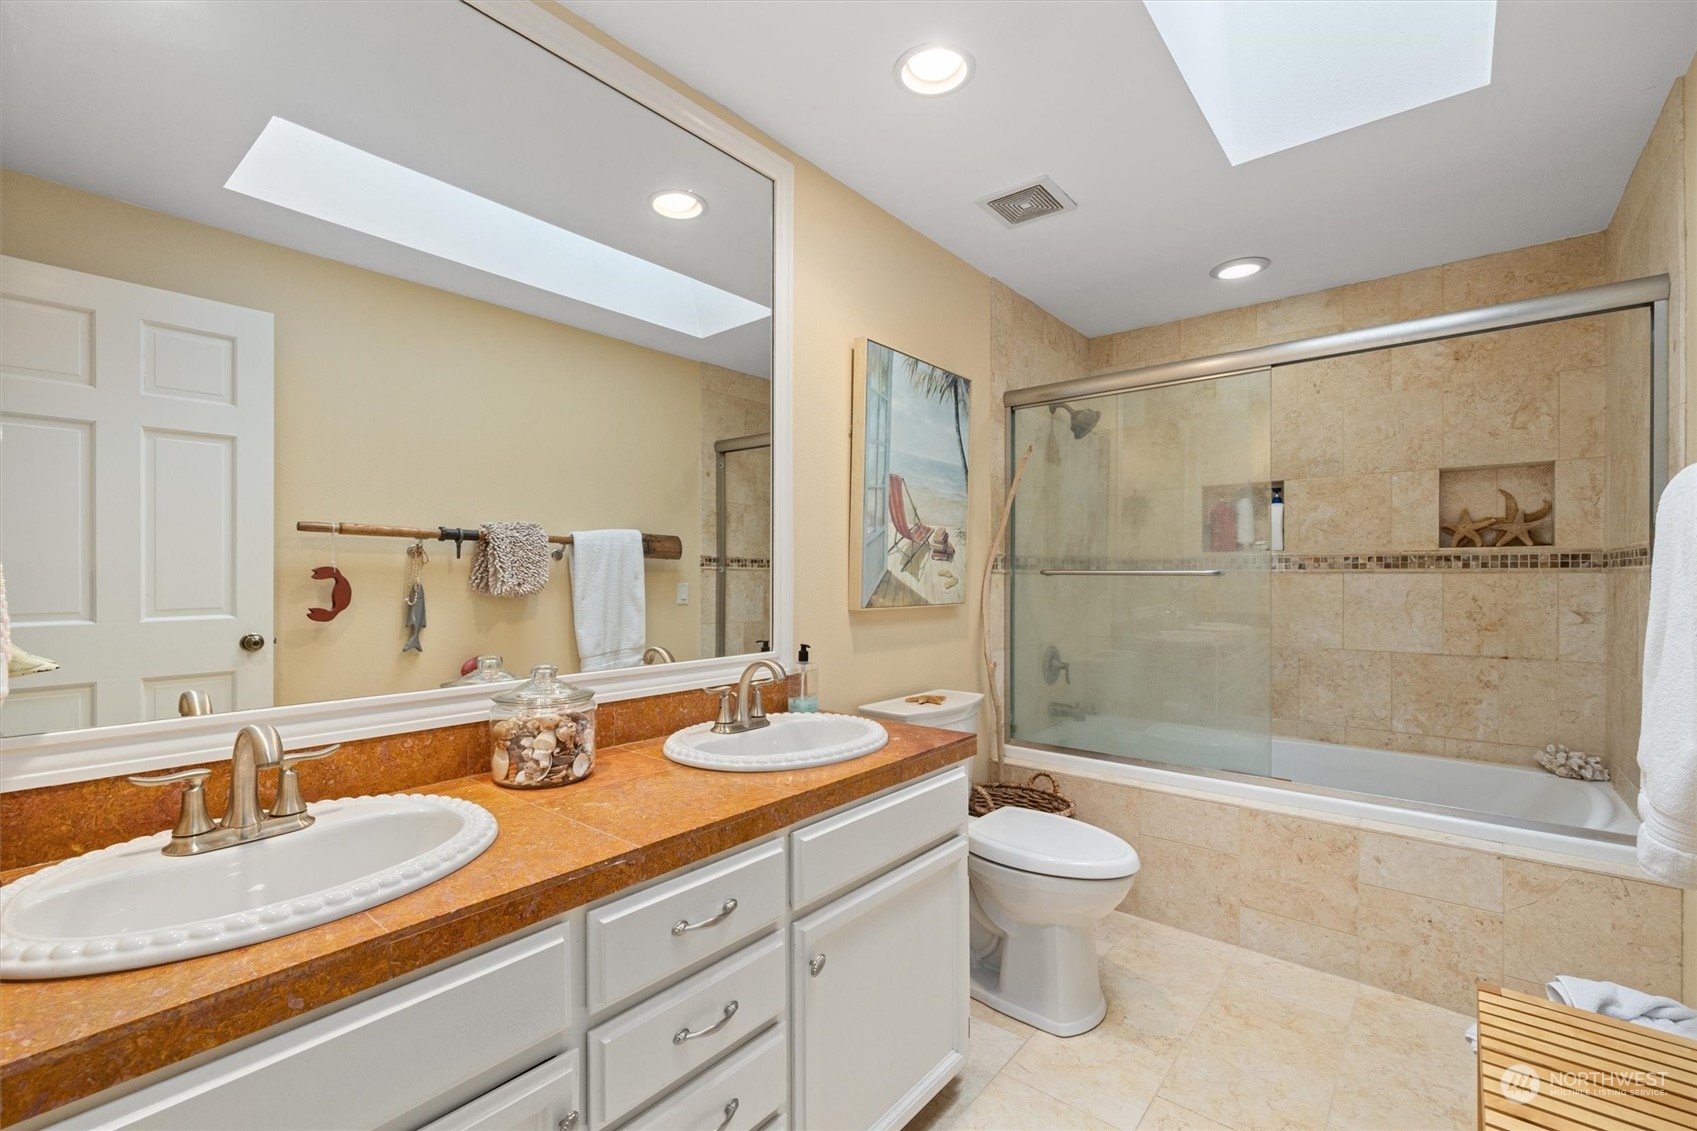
1034, 201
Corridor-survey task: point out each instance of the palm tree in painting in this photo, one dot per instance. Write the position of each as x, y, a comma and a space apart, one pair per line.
941, 385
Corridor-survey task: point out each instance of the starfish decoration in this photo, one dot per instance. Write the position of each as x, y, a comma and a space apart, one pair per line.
1467, 527
1515, 525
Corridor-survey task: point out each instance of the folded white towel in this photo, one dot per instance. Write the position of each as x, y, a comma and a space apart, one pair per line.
1625, 1004
1667, 741
609, 604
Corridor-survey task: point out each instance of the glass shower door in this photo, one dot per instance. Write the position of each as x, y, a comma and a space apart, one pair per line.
1139, 575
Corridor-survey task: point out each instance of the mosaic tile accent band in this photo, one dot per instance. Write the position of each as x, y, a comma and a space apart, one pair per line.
711, 561
1538, 557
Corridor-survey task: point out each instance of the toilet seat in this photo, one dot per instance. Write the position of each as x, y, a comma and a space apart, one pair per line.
1050, 845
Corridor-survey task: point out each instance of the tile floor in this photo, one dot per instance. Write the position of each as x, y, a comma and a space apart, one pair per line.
1205, 1036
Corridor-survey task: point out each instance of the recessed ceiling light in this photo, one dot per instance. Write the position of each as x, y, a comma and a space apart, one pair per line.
677, 204
932, 68
304, 171
1241, 268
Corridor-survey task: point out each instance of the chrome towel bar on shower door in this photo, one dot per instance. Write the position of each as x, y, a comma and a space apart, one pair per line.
1131, 572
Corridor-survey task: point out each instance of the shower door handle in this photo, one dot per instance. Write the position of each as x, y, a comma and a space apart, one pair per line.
1131, 572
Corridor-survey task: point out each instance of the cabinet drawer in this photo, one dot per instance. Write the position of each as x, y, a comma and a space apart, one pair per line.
637, 1055
543, 1099
397, 1058
741, 1094
832, 854
640, 939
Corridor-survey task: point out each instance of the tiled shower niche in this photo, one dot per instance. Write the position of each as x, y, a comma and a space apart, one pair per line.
1470, 498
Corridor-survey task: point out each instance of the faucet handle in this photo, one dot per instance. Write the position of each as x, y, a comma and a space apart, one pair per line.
290, 757
289, 802
192, 817
727, 707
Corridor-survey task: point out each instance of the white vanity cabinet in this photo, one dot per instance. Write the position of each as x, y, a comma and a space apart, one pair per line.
814, 979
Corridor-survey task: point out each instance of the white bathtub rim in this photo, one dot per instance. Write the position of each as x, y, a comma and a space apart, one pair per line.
1377, 815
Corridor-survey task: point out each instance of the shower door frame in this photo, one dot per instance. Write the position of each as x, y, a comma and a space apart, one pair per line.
722, 448
1650, 293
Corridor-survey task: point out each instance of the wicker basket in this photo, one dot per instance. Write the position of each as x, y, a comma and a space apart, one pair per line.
986, 798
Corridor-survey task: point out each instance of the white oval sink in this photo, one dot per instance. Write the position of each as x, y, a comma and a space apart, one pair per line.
791, 742
129, 906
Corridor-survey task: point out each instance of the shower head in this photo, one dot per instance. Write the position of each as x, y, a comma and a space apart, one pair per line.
1083, 419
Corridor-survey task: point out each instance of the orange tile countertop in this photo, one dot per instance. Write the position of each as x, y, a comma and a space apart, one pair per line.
639, 816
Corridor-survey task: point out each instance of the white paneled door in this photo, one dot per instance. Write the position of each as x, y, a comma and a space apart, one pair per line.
135, 497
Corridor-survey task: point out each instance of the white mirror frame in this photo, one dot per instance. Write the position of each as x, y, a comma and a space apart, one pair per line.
32, 761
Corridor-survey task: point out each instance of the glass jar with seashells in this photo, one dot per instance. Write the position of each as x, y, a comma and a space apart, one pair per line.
542, 733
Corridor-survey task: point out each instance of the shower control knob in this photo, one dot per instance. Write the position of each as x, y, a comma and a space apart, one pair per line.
252, 642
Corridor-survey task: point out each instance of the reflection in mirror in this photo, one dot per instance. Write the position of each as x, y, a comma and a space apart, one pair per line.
265, 272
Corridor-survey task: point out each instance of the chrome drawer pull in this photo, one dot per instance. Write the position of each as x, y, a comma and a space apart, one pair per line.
725, 910
730, 1114
569, 1121
683, 1035
816, 964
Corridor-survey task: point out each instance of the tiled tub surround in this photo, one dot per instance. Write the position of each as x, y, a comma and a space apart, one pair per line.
639, 816
1417, 913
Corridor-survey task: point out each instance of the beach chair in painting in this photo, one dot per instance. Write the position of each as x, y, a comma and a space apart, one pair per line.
914, 532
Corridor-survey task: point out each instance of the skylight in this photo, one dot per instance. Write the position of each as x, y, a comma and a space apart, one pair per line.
1273, 74
296, 168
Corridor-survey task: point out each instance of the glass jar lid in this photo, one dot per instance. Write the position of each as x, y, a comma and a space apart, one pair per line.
544, 689
489, 669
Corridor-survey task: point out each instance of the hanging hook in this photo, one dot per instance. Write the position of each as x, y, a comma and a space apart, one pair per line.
341, 592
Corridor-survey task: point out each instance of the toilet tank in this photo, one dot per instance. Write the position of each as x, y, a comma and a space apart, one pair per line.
957, 711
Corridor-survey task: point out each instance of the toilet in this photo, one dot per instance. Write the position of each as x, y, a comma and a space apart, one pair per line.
1040, 883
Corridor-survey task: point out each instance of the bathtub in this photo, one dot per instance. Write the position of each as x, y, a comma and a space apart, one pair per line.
1515, 805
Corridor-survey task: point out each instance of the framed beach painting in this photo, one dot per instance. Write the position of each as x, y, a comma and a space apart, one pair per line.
907, 505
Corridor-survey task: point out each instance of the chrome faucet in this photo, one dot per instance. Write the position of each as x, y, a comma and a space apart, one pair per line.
1068, 711
748, 713
257, 748
655, 654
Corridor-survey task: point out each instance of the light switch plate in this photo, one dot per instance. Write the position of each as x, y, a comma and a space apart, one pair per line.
683, 592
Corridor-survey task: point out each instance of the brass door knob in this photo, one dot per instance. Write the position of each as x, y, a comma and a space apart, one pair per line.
252, 642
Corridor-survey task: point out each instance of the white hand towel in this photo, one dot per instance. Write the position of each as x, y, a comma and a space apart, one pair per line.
1625, 1004
1667, 741
608, 600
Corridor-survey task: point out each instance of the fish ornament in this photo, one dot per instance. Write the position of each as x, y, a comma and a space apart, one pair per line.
416, 559
415, 618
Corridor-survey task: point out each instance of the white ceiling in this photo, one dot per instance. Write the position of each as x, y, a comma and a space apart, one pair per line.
1085, 92
156, 104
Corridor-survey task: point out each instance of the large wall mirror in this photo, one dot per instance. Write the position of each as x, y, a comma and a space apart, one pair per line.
271, 267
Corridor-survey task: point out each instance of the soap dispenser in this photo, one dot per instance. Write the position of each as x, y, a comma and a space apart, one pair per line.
804, 684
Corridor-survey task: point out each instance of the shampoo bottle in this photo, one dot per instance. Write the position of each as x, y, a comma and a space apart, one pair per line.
804, 683
1276, 518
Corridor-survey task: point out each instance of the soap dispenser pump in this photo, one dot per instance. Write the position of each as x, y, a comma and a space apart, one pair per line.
804, 683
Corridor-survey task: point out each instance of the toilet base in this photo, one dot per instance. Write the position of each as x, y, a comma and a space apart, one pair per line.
1048, 1024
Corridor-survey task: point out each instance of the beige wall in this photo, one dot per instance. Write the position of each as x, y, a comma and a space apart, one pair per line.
400, 404
859, 272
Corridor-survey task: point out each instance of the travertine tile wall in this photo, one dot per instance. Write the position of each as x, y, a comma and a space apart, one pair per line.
1419, 916
1028, 346
1489, 666
736, 404
1645, 237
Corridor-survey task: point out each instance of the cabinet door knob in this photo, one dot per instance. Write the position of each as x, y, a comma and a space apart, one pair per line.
816, 964
569, 1121
252, 642
684, 925
730, 1114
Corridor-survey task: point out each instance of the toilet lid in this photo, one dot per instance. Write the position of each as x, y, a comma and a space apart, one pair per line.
1050, 845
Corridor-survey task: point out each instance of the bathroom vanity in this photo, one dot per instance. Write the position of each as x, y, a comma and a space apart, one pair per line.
809, 975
